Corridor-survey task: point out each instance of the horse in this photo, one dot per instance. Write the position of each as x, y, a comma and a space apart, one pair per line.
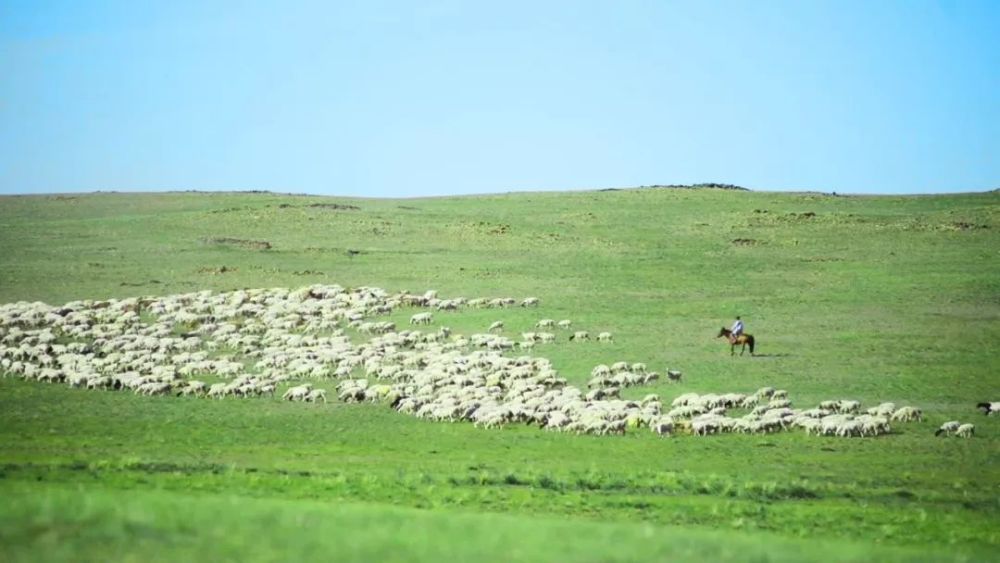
744, 339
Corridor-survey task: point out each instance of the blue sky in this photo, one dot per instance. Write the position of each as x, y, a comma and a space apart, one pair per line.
428, 98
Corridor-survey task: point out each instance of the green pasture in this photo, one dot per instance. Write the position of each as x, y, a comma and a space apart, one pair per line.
857, 297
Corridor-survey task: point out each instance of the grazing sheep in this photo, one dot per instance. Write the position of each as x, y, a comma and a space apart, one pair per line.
421, 319
530, 302
989, 409
545, 323
565, 324
908, 414
315, 395
674, 375
605, 337
662, 427
965, 431
580, 335
297, 393
948, 427
496, 327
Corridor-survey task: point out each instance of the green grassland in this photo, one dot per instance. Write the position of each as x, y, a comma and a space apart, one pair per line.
870, 298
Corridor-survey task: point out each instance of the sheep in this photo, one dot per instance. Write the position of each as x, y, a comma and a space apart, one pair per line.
883, 409
545, 323
908, 414
948, 427
565, 324
605, 337
530, 302
297, 393
421, 318
496, 327
580, 335
965, 431
673, 375
314, 395
989, 409
662, 427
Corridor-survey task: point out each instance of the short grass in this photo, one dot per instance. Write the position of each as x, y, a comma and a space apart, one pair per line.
873, 298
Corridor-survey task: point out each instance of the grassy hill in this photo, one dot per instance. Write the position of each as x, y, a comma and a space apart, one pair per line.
869, 298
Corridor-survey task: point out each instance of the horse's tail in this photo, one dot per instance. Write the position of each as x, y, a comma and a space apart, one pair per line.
750, 342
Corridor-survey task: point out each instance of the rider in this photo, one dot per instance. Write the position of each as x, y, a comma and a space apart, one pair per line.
737, 329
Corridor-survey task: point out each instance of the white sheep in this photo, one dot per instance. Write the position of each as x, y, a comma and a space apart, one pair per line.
315, 395
965, 431
580, 335
605, 337
908, 414
565, 324
496, 327
948, 427
989, 409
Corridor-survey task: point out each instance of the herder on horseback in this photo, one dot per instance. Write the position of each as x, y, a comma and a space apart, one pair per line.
736, 336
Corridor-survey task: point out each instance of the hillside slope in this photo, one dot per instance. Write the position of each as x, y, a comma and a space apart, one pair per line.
871, 298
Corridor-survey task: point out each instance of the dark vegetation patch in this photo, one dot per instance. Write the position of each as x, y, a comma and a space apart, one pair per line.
308, 273
704, 185
335, 206
242, 243
822, 259
745, 242
217, 270
139, 284
965, 226
494, 229
233, 209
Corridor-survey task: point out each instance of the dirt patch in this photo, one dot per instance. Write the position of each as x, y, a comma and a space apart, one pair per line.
242, 243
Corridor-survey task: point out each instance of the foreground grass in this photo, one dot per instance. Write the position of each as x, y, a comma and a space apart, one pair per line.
878, 299
95, 525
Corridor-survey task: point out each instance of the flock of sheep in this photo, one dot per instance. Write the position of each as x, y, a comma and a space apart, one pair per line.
257, 340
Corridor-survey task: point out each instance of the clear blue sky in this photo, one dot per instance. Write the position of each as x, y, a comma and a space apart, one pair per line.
439, 97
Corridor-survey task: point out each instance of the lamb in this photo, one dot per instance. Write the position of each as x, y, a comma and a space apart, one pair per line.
965, 431
948, 427
605, 337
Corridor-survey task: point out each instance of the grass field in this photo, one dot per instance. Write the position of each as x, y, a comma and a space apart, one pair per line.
870, 298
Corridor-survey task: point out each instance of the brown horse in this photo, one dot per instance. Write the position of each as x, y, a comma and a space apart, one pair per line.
744, 339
